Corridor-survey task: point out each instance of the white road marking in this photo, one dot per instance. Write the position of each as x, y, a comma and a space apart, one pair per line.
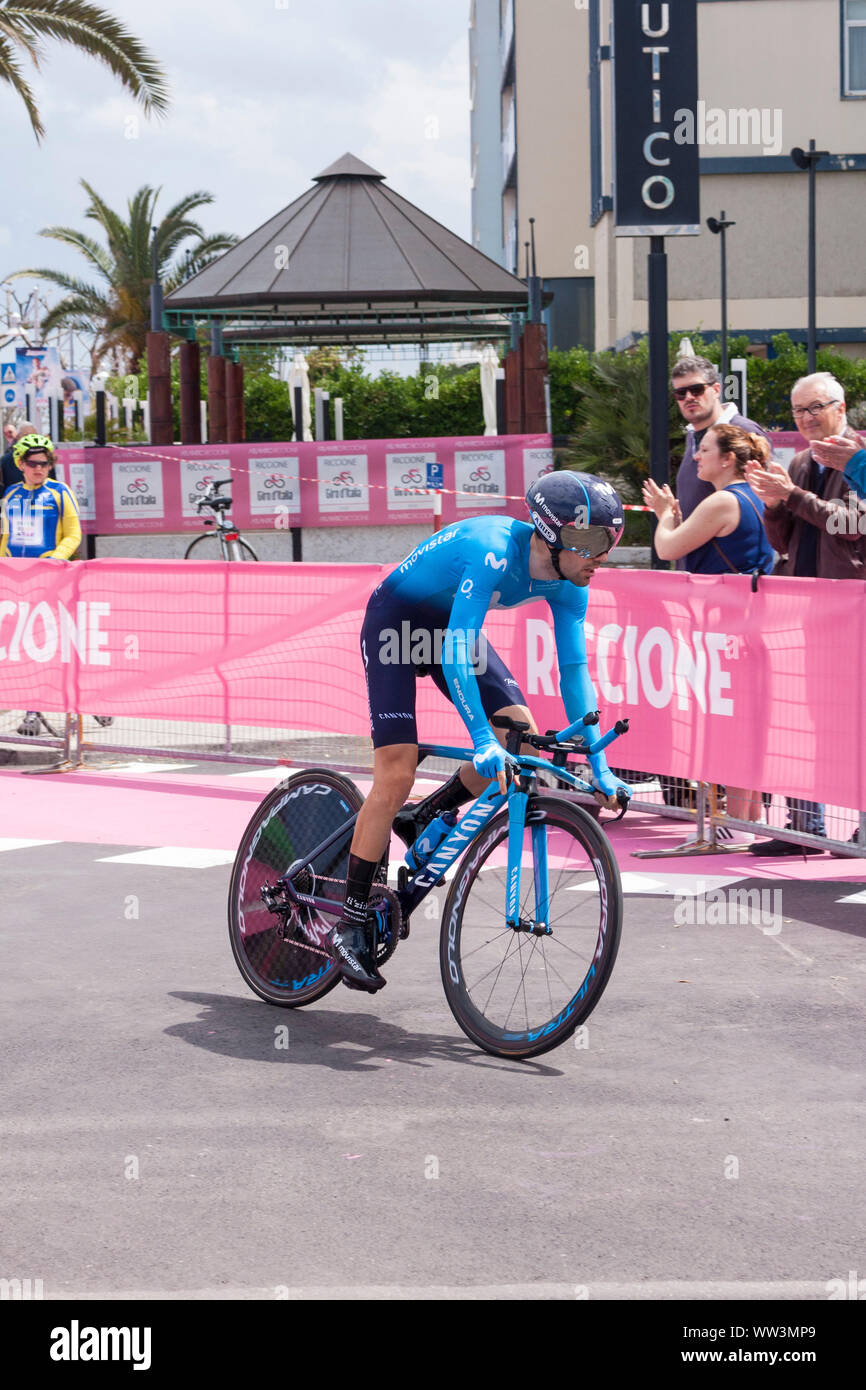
174, 857
25, 844
665, 885
146, 767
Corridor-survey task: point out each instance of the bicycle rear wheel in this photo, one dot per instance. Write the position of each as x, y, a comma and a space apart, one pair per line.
515, 993
199, 549
290, 968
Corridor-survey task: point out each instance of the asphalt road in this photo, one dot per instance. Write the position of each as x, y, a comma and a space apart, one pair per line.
164, 1138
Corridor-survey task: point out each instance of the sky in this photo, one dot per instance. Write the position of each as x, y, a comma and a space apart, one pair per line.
265, 95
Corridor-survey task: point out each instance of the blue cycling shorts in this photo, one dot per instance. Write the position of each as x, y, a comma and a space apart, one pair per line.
398, 646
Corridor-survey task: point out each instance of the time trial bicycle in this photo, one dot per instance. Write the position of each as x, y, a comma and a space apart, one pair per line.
533, 914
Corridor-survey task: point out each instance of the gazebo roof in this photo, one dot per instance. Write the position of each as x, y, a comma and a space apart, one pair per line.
349, 251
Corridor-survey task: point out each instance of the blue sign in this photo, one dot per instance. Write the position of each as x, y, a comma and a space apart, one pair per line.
9, 397
434, 475
8, 373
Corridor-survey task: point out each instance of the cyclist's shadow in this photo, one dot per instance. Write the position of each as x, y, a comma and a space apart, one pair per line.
246, 1029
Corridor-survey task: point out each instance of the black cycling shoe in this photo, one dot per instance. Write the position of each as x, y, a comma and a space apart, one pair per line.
408, 824
350, 949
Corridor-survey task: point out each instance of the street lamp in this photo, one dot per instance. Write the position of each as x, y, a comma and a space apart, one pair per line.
718, 226
807, 159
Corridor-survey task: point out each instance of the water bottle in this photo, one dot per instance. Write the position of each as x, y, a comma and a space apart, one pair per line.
429, 840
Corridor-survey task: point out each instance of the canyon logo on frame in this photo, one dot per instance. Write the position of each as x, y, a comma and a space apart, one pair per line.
406, 473
479, 477
536, 462
196, 476
275, 485
138, 491
343, 483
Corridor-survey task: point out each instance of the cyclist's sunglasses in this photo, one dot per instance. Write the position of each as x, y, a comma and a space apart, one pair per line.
697, 390
589, 541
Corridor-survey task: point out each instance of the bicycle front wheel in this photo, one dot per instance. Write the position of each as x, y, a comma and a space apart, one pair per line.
518, 993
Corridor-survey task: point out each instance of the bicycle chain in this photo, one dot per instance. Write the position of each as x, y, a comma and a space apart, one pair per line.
379, 890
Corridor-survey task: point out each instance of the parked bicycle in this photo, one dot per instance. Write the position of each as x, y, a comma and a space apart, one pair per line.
231, 543
533, 914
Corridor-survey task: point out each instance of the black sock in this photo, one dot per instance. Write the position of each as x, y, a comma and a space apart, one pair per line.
448, 797
358, 886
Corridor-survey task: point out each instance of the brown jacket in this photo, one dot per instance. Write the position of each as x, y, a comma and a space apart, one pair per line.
839, 515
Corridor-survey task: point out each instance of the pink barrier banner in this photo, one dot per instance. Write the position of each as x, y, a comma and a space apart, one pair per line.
759, 690
380, 482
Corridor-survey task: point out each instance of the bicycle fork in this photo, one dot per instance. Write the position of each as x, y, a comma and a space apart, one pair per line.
518, 804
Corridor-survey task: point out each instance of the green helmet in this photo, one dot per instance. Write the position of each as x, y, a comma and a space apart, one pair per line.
32, 444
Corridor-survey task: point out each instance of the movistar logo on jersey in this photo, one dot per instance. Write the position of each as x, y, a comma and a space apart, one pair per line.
491, 560
441, 539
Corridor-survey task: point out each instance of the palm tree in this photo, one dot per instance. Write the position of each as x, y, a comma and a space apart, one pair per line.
116, 311
23, 23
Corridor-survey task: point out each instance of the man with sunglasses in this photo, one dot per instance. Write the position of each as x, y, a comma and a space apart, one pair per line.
697, 388
426, 619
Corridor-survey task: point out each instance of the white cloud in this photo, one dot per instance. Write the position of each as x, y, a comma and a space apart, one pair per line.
263, 98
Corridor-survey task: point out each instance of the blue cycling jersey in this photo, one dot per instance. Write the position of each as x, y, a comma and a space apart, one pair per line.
462, 572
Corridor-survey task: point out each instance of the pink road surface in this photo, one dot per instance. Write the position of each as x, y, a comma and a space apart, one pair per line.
138, 809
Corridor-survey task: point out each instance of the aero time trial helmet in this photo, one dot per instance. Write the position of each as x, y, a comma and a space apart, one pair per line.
32, 444
576, 511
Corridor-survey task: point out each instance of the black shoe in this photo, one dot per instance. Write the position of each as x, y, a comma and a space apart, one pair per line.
772, 848
407, 824
350, 949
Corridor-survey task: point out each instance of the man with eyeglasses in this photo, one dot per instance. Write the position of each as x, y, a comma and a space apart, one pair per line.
697, 388
808, 519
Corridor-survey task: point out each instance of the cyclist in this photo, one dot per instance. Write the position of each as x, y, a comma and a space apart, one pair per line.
39, 519
438, 599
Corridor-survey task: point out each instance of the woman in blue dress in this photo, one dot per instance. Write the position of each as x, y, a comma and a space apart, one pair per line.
725, 533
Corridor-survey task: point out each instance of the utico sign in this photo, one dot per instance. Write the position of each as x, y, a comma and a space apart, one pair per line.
655, 79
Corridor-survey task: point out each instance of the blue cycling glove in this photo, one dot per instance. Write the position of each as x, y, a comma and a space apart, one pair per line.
603, 779
489, 758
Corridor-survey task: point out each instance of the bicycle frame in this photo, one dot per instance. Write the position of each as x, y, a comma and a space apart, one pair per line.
467, 829
225, 530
